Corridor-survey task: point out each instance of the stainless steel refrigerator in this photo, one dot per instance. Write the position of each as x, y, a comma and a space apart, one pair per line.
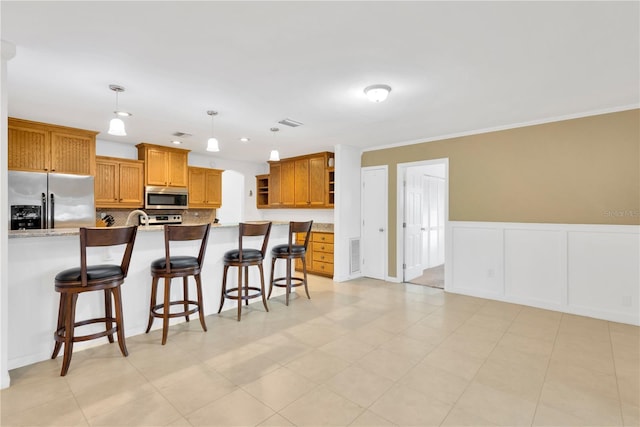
50, 200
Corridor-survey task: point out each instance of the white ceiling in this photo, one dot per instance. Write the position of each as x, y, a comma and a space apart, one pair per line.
454, 67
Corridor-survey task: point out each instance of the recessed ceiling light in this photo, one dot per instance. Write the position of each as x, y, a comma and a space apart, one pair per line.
123, 113
177, 142
245, 139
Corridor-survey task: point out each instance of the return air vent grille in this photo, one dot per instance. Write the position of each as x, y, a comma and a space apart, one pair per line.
354, 255
181, 134
289, 122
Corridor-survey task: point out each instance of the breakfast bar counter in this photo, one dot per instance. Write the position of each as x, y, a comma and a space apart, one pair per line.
36, 256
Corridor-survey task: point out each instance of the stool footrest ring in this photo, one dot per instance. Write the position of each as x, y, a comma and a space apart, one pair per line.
295, 282
159, 314
59, 334
240, 296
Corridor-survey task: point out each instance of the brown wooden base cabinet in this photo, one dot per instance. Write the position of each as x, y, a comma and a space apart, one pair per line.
319, 254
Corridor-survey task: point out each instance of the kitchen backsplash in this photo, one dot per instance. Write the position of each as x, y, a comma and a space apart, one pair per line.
189, 216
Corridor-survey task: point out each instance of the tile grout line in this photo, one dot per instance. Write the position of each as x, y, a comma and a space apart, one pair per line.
546, 371
615, 373
483, 363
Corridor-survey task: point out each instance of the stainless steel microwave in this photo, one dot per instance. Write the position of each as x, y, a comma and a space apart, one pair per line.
166, 198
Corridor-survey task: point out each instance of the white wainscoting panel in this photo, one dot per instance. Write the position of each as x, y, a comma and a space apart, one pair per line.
603, 272
534, 265
590, 270
477, 260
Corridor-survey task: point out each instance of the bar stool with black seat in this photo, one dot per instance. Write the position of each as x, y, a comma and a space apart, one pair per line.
183, 266
289, 252
243, 258
86, 278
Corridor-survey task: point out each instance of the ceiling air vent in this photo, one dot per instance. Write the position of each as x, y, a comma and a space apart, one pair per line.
289, 122
181, 134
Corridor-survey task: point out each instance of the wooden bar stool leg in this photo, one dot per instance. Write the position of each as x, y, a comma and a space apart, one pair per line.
224, 287
166, 309
70, 315
273, 264
154, 293
246, 285
304, 272
239, 292
185, 290
61, 320
264, 301
117, 298
288, 281
200, 301
108, 313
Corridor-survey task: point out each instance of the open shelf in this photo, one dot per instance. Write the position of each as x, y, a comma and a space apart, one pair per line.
262, 191
331, 186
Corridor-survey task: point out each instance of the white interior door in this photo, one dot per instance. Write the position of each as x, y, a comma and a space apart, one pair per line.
413, 219
374, 222
434, 229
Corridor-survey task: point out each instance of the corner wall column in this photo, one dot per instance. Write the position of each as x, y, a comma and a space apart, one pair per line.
8, 52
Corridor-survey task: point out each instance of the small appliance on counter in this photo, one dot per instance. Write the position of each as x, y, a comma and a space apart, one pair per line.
26, 217
161, 219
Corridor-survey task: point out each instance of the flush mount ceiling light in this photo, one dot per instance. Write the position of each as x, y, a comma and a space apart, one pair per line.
212, 143
274, 156
116, 125
245, 139
377, 93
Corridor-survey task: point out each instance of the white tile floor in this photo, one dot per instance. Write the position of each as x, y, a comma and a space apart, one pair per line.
361, 353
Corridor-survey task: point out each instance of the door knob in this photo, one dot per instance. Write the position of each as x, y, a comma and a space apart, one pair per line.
381, 230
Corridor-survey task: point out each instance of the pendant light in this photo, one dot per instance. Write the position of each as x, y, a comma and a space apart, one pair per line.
212, 143
116, 125
274, 156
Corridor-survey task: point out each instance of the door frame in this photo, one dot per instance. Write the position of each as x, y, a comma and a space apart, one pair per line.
401, 173
385, 204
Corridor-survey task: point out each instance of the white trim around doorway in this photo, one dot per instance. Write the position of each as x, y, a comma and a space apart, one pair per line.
401, 169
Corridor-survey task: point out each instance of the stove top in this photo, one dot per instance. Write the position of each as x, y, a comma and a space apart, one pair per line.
161, 219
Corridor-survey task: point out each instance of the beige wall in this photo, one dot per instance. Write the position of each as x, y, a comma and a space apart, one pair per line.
579, 171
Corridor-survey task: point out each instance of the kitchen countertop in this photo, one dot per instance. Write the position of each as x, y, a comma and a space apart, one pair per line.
17, 234
322, 227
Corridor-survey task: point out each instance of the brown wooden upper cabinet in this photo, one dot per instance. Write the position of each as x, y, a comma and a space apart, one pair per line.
205, 188
119, 183
41, 147
164, 166
299, 182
